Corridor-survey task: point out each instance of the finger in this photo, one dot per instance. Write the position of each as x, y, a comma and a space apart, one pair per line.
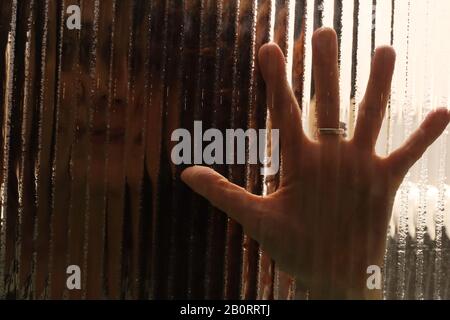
235, 201
373, 107
406, 156
284, 109
326, 77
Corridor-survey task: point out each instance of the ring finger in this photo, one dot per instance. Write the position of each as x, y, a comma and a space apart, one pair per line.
326, 80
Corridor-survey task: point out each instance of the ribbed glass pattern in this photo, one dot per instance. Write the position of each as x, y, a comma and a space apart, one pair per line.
86, 121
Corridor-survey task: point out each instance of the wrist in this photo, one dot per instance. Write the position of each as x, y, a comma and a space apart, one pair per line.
357, 282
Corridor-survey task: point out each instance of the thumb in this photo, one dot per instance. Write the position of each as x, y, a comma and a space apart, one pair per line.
413, 149
235, 201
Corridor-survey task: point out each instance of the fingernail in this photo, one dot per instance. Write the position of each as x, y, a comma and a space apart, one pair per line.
388, 54
324, 41
271, 63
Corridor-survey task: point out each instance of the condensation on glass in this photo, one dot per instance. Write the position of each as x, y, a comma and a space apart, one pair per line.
86, 120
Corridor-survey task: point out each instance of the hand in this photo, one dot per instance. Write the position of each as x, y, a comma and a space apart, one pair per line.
327, 223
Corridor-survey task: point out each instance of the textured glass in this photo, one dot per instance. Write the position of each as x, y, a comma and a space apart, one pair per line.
86, 120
